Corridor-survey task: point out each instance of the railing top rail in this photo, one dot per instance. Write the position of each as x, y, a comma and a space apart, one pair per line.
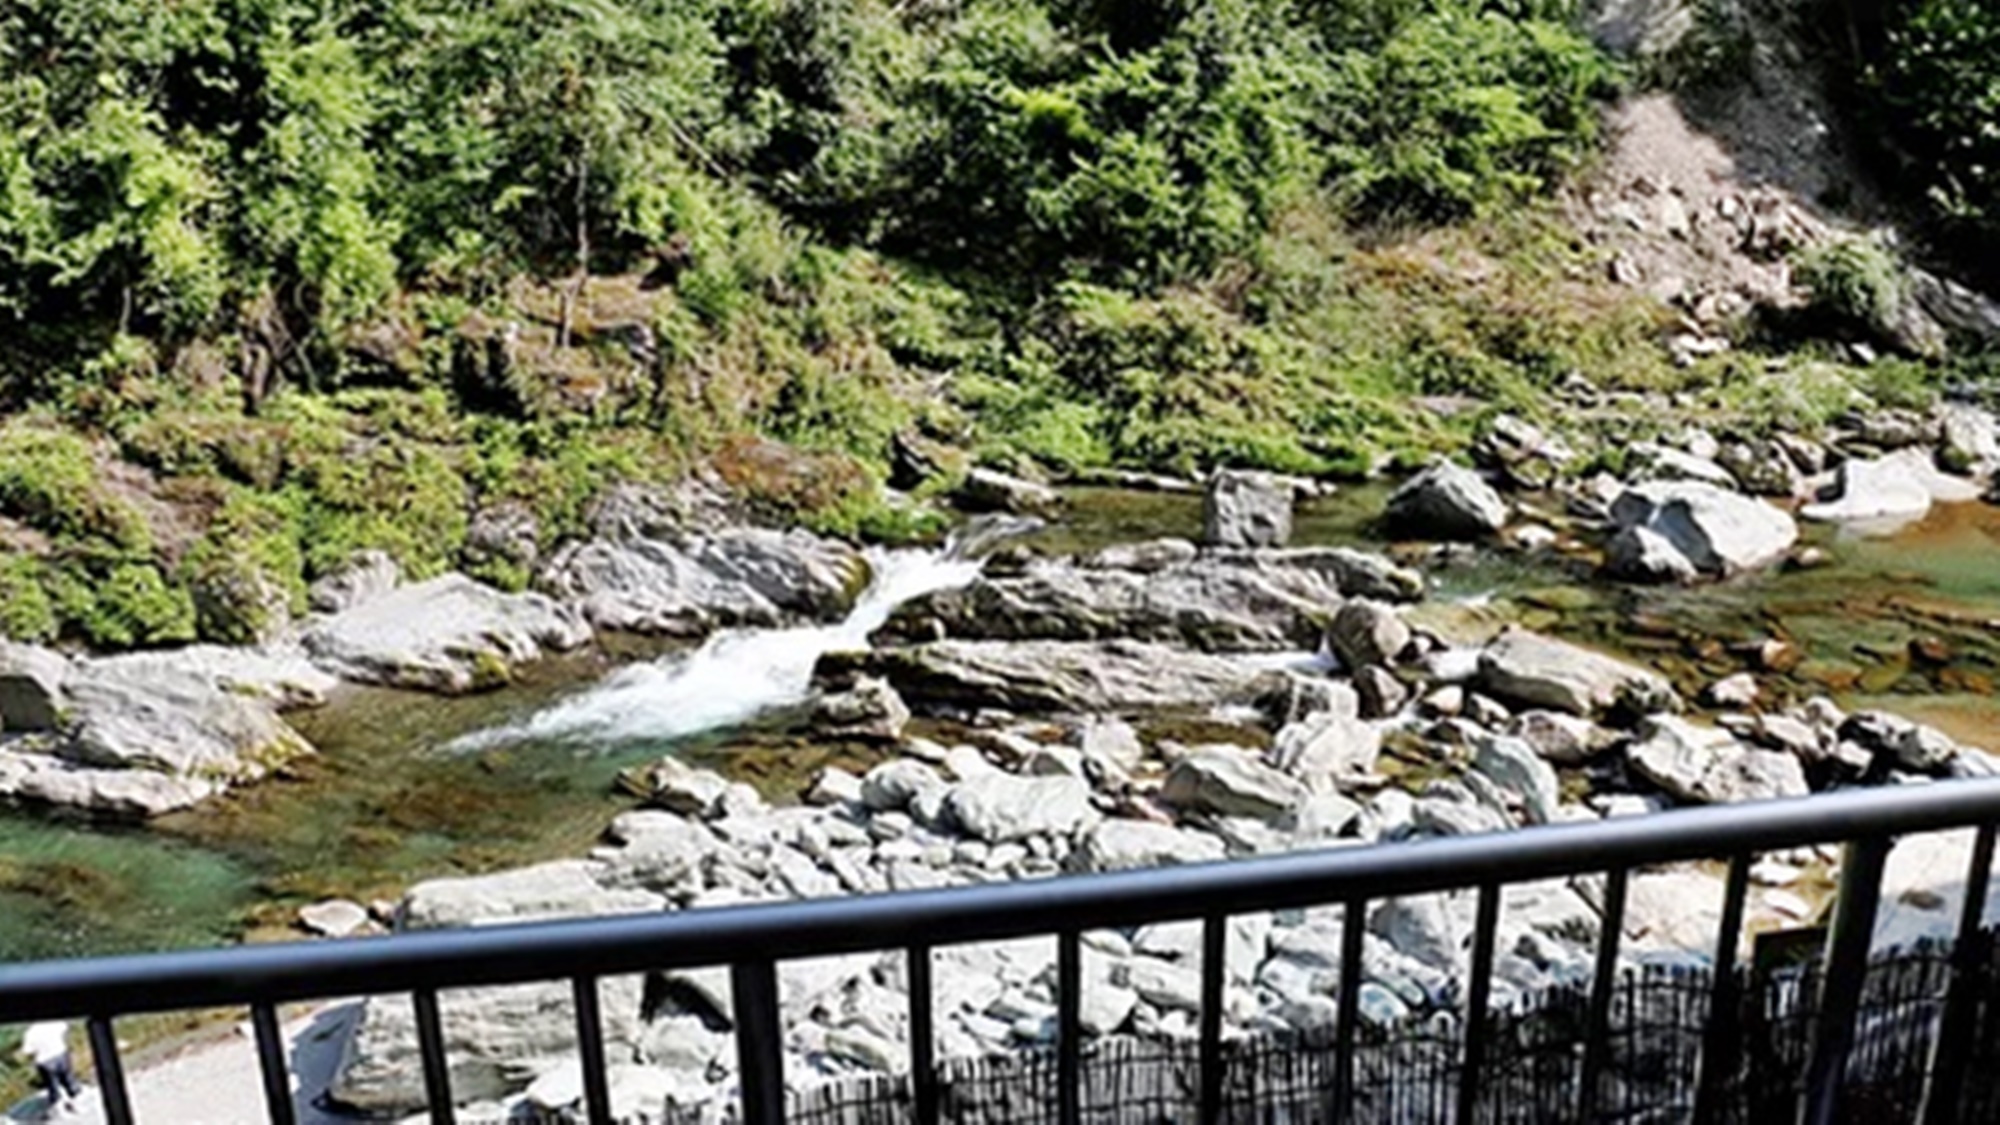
820, 927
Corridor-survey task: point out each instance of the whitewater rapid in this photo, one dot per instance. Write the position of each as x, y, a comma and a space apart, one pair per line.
736, 675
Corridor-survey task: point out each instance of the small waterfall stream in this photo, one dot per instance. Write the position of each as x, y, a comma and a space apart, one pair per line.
740, 674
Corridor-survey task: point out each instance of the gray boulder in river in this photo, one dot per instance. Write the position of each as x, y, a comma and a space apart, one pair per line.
1446, 501
1052, 676
1717, 531
1531, 670
449, 634
1246, 509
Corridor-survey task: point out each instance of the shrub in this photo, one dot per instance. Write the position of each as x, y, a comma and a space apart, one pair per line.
26, 611
1854, 281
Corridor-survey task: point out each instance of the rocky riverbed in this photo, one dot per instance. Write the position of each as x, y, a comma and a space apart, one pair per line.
1114, 701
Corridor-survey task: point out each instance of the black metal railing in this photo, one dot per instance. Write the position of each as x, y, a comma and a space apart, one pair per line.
752, 940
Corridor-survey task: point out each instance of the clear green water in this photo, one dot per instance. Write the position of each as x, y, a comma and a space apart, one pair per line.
383, 806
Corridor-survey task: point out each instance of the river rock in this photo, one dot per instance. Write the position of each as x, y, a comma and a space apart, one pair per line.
283, 676
366, 576
1911, 746
43, 779
1354, 573
893, 785
1644, 555
1123, 845
1149, 557
984, 490
31, 687
1053, 676
1707, 766
494, 1037
870, 711
1647, 461
1516, 768
1526, 456
449, 634
796, 571
1365, 633
1381, 694
1967, 440
1762, 468
1897, 488
1720, 532
1229, 782
648, 586
334, 918
1531, 670
1246, 509
1112, 747
1565, 740
1328, 751
1204, 604
1419, 926
1447, 501
506, 536
1000, 807
173, 722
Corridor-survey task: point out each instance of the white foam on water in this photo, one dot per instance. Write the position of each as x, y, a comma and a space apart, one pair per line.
736, 675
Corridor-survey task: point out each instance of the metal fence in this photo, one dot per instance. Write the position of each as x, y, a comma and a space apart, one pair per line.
1809, 1066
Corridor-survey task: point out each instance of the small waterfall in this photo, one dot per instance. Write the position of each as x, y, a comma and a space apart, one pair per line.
739, 674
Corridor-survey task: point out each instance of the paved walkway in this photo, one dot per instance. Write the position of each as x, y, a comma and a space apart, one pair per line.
215, 1081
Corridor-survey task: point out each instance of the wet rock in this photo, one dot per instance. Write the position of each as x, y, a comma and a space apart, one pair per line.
798, 572
31, 687
870, 711
1762, 468
1517, 768
1706, 766
999, 807
1246, 509
1123, 845
43, 779
674, 785
1528, 458
1229, 782
1035, 677
334, 918
1720, 532
449, 634
893, 785
1357, 574
1968, 443
1364, 634
1380, 692
1206, 604
984, 490
1566, 740
366, 576
1641, 554
646, 586
1881, 489
1531, 670
1446, 501
173, 722
1739, 690
1328, 751
1149, 557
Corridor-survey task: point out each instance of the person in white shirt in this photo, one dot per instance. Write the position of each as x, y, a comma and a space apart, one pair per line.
47, 1043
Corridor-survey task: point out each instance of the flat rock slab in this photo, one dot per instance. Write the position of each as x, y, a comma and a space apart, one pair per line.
450, 635
1536, 671
1055, 676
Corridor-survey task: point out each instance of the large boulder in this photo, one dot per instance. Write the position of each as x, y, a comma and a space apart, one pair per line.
366, 576
1246, 509
1719, 532
1366, 633
1229, 782
1331, 750
1641, 554
998, 807
1204, 604
648, 586
1885, 489
1535, 671
494, 1037
31, 687
44, 779
449, 634
1707, 766
796, 571
176, 722
282, 676
984, 490
1356, 574
1052, 676
1124, 845
1446, 501
1968, 440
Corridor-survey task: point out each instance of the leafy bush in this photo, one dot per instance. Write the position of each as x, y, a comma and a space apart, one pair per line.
26, 611
1855, 281
49, 480
129, 605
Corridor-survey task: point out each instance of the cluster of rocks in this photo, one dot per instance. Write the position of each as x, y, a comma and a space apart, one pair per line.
1071, 686
1698, 507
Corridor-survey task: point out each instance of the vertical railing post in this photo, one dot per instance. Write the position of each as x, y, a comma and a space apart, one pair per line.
1597, 1031
590, 1051
1347, 1013
1961, 1003
1846, 971
1214, 985
1484, 931
1069, 1028
437, 1066
760, 1041
1722, 1032
110, 1071
271, 1064
923, 1036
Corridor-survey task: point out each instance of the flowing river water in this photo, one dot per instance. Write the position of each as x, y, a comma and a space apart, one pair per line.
410, 786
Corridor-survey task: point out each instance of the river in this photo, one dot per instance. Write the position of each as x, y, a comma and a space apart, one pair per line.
413, 786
